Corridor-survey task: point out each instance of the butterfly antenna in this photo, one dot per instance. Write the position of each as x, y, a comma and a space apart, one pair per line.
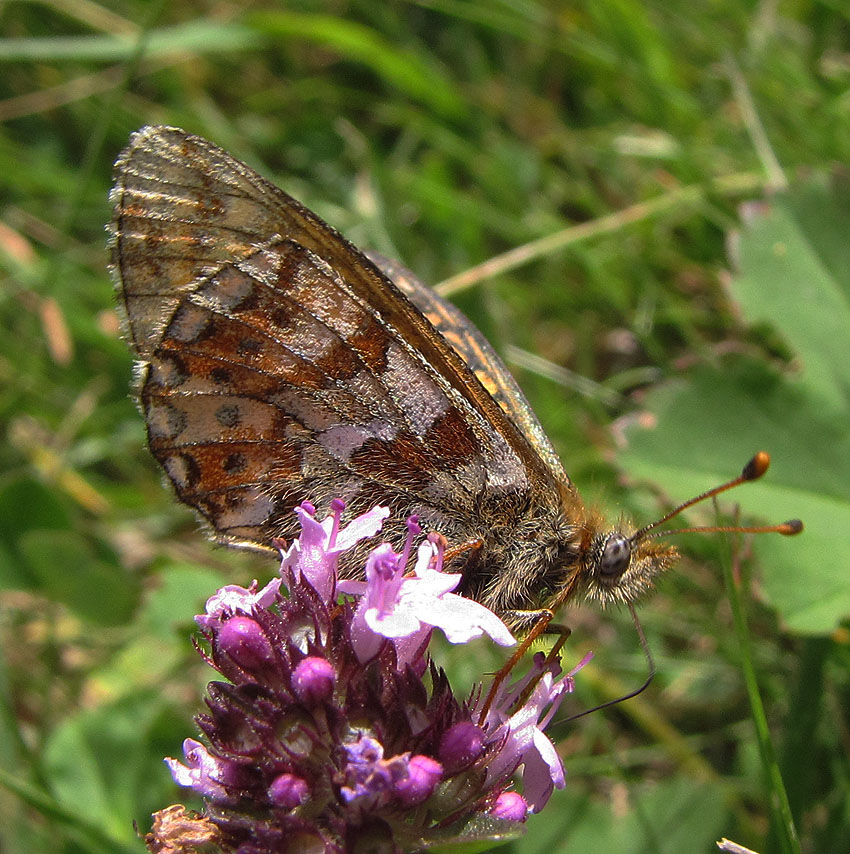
650, 663
753, 470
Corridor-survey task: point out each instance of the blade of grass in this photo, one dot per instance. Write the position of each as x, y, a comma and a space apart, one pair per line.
413, 74
770, 162
780, 808
744, 183
199, 36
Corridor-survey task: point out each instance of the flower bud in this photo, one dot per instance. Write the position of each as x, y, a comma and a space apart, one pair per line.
423, 774
288, 791
244, 640
510, 806
461, 745
313, 680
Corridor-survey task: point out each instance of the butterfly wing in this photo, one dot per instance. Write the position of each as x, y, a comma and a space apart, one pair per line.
278, 364
478, 354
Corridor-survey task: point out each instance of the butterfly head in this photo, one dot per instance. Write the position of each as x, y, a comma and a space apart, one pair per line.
621, 567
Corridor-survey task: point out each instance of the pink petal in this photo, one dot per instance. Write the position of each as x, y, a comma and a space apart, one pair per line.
463, 619
366, 525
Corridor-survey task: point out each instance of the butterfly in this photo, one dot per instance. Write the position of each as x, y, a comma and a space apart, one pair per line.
277, 363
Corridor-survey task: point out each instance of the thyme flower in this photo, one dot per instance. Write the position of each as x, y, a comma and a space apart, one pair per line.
335, 731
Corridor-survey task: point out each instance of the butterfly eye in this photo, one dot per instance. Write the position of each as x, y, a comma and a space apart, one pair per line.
616, 554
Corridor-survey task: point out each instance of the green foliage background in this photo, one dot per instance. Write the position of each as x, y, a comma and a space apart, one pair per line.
444, 134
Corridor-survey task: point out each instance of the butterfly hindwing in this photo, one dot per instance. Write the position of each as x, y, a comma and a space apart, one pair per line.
478, 354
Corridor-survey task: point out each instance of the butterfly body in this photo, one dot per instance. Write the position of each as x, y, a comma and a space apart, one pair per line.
278, 363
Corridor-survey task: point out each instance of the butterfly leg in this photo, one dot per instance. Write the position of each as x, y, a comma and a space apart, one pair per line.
552, 629
456, 552
538, 623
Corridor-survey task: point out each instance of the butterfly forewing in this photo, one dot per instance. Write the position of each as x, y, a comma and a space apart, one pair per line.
279, 364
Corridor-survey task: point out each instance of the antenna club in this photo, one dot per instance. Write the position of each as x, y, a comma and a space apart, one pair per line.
756, 467
791, 527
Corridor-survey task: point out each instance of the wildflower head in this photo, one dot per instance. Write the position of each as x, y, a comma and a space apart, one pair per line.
334, 730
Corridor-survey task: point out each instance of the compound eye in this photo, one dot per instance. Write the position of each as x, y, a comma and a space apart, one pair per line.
616, 554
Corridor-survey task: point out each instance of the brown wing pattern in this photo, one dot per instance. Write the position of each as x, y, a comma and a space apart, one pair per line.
479, 355
278, 364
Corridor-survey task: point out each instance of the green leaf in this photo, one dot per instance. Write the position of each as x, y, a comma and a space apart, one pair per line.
793, 258
666, 818
26, 503
200, 36
69, 571
181, 592
480, 833
103, 764
795, 276
40, 550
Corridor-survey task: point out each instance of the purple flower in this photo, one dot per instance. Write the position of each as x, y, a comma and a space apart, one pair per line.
405, 609
334, 730
233, 599
366, 774
202, 772
525, 743
314, 554
245, 642
461, 745
423, 774
313, 680
402, 779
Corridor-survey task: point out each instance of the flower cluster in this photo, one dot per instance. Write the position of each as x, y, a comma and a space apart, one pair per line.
334, 730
